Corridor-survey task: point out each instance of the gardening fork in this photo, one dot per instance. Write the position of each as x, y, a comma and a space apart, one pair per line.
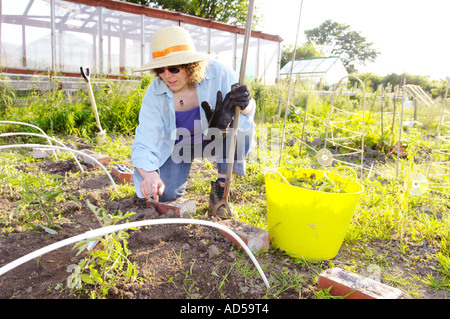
86, 73
224, 200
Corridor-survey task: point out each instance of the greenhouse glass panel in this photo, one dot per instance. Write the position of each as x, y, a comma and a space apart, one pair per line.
28, 43
19, 7
268, 61
75, 36
223, 46
310, 66
12, 45
12, 49
151, 25
132, 55
239, 48
37, 52
112, 38
122, 32
250, 70
200, 36
75, 49
326, 64
113, 61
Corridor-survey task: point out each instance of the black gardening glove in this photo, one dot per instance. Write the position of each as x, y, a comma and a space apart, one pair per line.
222, 115
240, 95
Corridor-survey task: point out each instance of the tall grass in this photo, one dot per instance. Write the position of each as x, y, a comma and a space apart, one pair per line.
60, 112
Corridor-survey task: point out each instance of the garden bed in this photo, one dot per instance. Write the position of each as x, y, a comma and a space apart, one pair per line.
179, 261
174, 261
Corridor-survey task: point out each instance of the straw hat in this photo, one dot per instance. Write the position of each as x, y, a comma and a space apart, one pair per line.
173, 46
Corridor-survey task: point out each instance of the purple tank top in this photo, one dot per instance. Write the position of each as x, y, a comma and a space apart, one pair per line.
190, 121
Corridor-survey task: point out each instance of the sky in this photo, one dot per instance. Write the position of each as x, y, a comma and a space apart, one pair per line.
411, 35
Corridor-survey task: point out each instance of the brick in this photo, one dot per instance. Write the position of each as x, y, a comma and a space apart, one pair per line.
255, 238
103, 159
40, 152
123, 175
186, 207
178, 208
354, 286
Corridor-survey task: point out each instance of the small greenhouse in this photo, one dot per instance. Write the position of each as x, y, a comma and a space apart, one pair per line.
114, 38
318, 73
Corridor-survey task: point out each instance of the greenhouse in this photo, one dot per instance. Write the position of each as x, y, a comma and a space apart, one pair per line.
319, 73
114, 38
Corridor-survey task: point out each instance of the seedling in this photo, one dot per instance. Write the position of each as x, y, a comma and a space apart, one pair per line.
102, 269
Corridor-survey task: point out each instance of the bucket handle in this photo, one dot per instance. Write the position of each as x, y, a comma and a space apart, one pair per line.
346, 167
281, 175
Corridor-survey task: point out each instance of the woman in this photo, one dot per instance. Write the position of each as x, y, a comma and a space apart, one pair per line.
173, 128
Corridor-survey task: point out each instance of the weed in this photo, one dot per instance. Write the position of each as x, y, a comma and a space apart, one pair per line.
40, 194
284, 281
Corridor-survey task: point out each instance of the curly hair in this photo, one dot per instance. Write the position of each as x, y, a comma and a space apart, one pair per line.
195, 72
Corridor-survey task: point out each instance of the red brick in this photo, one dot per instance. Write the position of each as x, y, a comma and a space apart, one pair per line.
103, 159
255, 238
354, 286
177, 208
123, 176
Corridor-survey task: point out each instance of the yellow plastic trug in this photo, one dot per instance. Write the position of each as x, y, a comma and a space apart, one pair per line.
307, 223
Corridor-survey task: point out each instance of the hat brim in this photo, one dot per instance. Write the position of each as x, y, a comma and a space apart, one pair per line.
177, 58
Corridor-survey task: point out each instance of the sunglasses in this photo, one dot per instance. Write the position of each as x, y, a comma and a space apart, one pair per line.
172, 69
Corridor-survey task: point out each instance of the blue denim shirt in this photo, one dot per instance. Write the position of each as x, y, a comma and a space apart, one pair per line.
156, 132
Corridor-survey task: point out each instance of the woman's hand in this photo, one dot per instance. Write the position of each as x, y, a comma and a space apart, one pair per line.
222, 115
152, 184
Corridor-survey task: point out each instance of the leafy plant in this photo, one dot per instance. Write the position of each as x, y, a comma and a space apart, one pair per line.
312, 182
103, 269
40, 194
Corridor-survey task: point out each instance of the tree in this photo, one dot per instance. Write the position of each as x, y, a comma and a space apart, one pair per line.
434, 87
228, 11
305, 51
339, 40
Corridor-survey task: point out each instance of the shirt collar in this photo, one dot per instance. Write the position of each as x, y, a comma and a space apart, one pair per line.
210, 72
160, 86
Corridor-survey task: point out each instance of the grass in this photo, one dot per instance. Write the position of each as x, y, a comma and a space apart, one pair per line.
389, 227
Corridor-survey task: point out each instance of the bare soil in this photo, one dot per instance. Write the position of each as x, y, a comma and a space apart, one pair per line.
174, 261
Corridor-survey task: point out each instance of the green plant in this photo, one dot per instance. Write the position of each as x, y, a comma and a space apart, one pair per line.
6, 93
104, 268
39, 196
312, 182
437, 282
325, 294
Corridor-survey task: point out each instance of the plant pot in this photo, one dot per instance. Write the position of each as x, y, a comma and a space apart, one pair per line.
307, 223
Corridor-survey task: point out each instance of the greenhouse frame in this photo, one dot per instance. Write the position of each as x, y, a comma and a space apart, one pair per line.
319, 73
113, 38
